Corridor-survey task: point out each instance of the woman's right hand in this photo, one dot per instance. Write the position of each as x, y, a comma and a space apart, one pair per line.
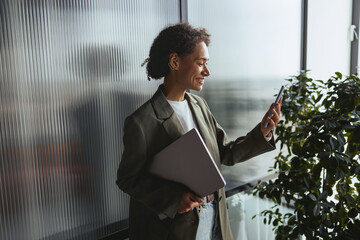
188, 202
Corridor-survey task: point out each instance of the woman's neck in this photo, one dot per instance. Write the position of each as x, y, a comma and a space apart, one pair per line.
172, 91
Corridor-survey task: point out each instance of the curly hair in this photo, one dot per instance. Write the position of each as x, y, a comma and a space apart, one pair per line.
180, 38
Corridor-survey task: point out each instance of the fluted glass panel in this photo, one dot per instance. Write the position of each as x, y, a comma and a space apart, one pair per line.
254, 46
70, 72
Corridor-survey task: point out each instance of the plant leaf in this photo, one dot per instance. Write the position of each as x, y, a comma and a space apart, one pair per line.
340, 138
324, 195
316, 210
323, 155
312, 196
339, 75
332, 143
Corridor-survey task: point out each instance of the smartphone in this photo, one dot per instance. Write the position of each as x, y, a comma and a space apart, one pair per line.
276, 101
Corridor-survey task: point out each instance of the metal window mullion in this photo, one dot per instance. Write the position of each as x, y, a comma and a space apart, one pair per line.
355, 43
183, 10
304, 27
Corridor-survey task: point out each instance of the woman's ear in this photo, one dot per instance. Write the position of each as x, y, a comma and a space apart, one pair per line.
174, 61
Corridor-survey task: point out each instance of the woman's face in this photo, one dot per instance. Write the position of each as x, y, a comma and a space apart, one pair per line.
193, 68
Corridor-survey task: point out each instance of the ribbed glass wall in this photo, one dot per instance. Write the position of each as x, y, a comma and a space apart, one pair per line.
254, 46
69, 74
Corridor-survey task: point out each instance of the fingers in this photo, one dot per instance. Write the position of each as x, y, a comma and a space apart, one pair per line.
275, 116
271, 124
183, 211
269, 114
272, 116
188, 202
196, 198
188, 207
275, 112
273, 120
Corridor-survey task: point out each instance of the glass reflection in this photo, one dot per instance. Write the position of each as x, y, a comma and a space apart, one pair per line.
69, 75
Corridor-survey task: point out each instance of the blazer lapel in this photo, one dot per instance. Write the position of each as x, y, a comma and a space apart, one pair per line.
173, 127
164, 112
202, 125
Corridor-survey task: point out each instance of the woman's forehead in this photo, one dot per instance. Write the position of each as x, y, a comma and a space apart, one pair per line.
201, 52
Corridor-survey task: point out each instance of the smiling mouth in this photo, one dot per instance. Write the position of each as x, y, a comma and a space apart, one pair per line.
200, 80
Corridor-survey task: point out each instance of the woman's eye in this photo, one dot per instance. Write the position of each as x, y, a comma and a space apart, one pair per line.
201, 64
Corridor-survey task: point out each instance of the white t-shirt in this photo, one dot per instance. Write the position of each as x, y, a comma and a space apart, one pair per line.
184, 114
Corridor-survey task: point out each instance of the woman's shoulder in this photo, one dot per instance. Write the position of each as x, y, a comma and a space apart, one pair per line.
143, 112
150, 109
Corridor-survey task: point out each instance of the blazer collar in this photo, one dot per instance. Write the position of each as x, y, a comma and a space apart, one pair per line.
162, 108
171, 123
200, 120
165, 112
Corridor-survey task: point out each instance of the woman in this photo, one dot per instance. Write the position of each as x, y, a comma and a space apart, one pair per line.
161, 209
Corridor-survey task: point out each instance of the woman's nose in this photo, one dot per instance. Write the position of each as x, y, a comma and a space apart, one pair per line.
206, 71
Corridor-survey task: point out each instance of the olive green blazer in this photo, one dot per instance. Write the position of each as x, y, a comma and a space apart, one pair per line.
148, 130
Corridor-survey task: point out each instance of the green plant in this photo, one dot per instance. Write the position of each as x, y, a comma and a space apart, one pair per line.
318, 165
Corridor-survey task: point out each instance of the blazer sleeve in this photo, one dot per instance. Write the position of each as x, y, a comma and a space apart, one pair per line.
244, 147
159, 195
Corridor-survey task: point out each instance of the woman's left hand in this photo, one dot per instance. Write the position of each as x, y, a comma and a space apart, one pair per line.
273, 120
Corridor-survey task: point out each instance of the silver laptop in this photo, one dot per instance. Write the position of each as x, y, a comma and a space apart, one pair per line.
188, 161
